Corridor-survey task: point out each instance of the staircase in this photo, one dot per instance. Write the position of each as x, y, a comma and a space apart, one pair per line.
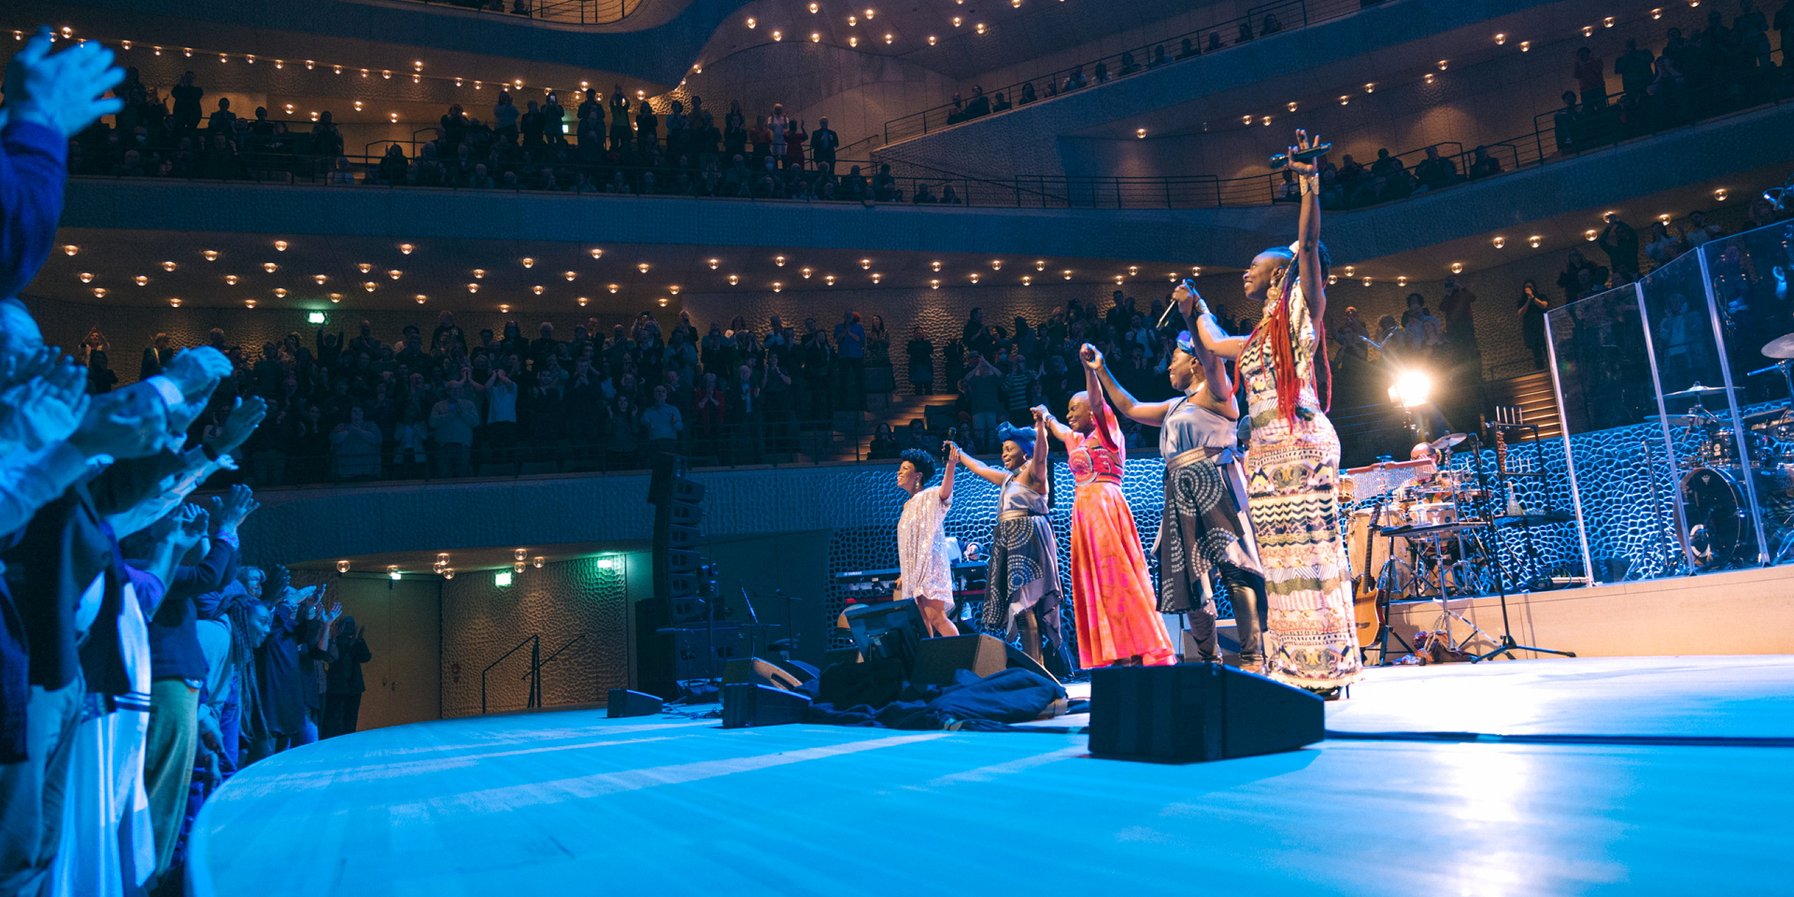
898, 413
1535, 397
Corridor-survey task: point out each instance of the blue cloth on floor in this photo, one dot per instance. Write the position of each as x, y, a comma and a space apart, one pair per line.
1009, 696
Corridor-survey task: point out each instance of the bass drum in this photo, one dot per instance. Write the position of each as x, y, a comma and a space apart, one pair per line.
1720, 532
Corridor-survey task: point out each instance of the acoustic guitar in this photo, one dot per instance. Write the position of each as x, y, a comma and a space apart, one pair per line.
1368, 600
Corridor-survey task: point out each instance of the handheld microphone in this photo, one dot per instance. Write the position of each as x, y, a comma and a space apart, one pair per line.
1281, 160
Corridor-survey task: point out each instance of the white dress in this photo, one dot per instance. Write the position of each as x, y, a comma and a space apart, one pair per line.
922, 548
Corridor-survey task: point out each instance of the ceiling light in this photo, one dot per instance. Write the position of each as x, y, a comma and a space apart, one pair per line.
1332, 279
405, 248
674, 289
279, 246
365, 267
1500, 38
99, 292
1367, 281
1291, 106
342, 566
570, 275
974, 277
70, 249
597, 253
814, 8
174, 301
479, 273
934, 284
734, 279
1401, 281
169, 266
777, 287
504, 308
1457, 267
336, 297
815, 37
936, 264
395, 273
1526, 46
865, 264
370, 286
582, 301
853, 40
642, 267
1067, 273
528, 262
890, 37
230, 280
1140, 133
876, 277
1535, 241
931, 40
1720, 194
1133, 270
1442, 65
1245, 119
270, 267
1590, 234
978, 28
778, 35
1027, 280
751, 22
85, 276
280, 292
996, 264
210, 255
1656, 13
1351, 271
140, 280
1499, 242
1344, 100
828, 279
249, 302
420, 298
473, 288
538, 289
806, 272
779, 260
612, 287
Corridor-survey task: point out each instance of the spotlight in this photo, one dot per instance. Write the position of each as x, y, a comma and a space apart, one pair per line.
342, 566
1412, 388
392, 573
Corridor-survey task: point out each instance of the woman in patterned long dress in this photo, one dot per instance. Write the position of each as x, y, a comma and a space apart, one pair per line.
924, 573
1292, 458
1111, 593
1022, 588
1204, 526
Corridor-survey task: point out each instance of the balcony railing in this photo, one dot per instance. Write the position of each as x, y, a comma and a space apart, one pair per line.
1279, 16
568, 12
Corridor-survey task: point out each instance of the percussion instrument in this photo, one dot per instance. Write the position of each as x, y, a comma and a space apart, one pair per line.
1699, 393
1782, 347
1720, 529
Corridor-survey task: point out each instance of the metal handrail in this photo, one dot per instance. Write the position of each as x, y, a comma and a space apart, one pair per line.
567, 12
535, 689
1228, 33
537, 669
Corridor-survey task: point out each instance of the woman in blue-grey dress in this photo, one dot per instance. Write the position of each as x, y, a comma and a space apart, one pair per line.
1022, 590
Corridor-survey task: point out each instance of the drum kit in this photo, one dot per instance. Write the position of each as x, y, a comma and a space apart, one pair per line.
1723, 463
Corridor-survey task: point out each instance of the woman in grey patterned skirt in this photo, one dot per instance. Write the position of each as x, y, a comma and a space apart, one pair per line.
1022, 589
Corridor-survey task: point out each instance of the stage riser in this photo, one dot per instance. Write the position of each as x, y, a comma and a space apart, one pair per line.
1742, 612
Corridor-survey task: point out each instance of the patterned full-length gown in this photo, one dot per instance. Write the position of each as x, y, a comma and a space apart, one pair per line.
1291, 475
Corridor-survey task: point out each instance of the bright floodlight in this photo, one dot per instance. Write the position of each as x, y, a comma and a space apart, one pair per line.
1412, 388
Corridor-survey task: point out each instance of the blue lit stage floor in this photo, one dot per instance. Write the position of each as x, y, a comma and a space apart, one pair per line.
571, 803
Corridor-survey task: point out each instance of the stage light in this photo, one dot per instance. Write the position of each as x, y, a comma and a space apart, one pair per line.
1412, 388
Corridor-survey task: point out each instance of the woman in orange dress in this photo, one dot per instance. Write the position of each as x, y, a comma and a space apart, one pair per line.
1111, 594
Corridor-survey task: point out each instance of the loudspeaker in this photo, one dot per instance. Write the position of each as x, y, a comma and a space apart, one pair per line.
1197, 712
1017, 660
747, 704
839, 655
938, 658
760, 672
624, 702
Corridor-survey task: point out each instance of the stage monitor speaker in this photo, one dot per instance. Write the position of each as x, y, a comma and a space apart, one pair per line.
747, 704
937, 659
760, 672
839, 655
624, 702
1017, 660
1197, 712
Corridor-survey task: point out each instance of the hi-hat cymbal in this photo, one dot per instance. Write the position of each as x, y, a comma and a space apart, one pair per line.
1780, 347
1689, 420
1698, 392
1448, 440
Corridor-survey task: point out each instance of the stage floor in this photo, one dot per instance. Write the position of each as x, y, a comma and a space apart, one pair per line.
567, 802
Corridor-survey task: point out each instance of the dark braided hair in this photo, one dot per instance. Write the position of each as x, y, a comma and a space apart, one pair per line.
922, 461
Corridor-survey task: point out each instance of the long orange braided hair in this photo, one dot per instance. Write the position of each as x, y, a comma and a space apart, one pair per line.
1277, 334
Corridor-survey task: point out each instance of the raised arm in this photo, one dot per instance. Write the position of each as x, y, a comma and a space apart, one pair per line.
1308, 229
1151, 414
947, 478
1038, 466
1093, 388
1208, 332
976, 466
1051, 424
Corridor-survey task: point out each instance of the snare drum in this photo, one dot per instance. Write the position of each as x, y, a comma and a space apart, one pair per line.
1347, 490
1434, 513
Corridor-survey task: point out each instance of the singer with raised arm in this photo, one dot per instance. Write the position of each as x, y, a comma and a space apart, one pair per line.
1204, 527
924, 573
1292, 457
1022, 590
1111, 593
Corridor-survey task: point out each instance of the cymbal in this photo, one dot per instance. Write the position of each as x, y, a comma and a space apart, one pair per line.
1686, 420
1698, 392
1767, 414
1448, 440
1780, 347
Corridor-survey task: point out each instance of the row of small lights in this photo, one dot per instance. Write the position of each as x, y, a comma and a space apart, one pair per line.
442, 566
416, 73
529, 262
1500, 241
1501, 39
853, 21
